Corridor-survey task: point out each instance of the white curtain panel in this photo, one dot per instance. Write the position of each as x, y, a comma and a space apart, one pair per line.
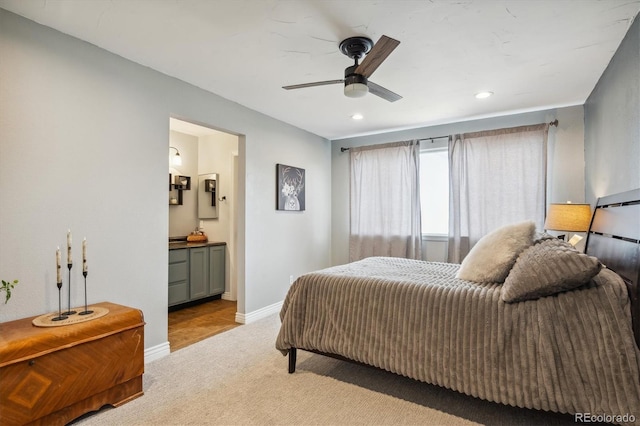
497, 178
385, 201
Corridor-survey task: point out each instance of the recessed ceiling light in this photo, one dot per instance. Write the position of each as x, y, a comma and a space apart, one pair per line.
483, 95
357, 116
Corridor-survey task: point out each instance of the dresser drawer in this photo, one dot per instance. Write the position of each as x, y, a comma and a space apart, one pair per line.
178, 255
178, 293
178, 272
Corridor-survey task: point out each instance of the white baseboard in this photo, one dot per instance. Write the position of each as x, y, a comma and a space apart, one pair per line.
226, 296
156, 352
259, 314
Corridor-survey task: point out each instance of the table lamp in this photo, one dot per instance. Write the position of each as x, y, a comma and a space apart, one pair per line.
569, 217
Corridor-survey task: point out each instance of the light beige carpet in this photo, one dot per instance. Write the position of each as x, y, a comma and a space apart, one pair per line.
239, 378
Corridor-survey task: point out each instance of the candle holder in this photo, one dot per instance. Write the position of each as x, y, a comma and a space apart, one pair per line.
60, 317
85, 312
69, 312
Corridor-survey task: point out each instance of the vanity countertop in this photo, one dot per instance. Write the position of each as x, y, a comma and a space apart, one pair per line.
174, 245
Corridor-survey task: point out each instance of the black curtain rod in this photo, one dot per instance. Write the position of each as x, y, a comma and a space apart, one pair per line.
553, 123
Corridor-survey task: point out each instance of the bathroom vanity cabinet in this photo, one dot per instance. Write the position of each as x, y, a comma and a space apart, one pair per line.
196, 271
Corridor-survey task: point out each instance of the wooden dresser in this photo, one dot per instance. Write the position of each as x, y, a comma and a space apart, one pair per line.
52, 375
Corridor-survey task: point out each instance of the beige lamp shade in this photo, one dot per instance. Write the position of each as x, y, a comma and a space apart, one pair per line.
568, 217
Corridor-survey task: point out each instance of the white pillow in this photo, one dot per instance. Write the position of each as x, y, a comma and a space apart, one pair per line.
491, 259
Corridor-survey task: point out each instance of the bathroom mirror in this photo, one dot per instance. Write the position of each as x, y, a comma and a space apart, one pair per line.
208, 196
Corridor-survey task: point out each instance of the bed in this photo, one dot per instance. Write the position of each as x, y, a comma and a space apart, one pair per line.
532, 338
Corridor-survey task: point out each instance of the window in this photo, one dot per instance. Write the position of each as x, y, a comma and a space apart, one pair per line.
434, 191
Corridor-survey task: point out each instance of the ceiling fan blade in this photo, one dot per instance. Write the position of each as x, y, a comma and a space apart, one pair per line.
317, 83
383, 93
377, 55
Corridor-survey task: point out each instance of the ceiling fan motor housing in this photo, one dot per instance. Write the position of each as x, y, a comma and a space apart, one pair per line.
356, 47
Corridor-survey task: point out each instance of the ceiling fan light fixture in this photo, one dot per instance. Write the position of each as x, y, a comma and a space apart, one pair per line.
355, 85
355, 90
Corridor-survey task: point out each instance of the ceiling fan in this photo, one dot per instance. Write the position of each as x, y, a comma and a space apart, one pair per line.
356, 77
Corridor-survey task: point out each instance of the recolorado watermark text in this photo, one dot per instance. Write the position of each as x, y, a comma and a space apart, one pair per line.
603, 418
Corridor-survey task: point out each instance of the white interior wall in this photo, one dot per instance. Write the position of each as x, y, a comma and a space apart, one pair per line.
183, 218
217, 154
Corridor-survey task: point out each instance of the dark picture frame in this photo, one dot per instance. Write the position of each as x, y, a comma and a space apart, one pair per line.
290, 188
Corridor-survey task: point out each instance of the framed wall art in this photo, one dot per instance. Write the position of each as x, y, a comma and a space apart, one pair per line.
290, 187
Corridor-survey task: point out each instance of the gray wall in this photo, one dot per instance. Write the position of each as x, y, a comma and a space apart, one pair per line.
565, 162
84, 138
612, 123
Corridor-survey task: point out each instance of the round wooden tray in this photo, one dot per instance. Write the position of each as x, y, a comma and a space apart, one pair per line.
47, 319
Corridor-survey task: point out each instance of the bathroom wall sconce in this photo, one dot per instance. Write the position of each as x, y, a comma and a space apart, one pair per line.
176, 160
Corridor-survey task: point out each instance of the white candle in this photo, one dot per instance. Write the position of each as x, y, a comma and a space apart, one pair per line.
69, 258
84, 255
58, 270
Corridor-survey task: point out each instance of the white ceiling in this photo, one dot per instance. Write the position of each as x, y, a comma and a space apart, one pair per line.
533, 54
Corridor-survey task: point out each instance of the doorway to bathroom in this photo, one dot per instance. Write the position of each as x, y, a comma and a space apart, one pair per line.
203, 188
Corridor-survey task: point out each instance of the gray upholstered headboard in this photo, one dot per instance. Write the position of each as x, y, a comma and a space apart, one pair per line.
614, 238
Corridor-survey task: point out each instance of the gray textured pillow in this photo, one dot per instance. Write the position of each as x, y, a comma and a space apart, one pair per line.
548, 267
491, 259
540, 236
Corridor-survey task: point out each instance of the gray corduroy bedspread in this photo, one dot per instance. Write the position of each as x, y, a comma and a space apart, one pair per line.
573, 352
